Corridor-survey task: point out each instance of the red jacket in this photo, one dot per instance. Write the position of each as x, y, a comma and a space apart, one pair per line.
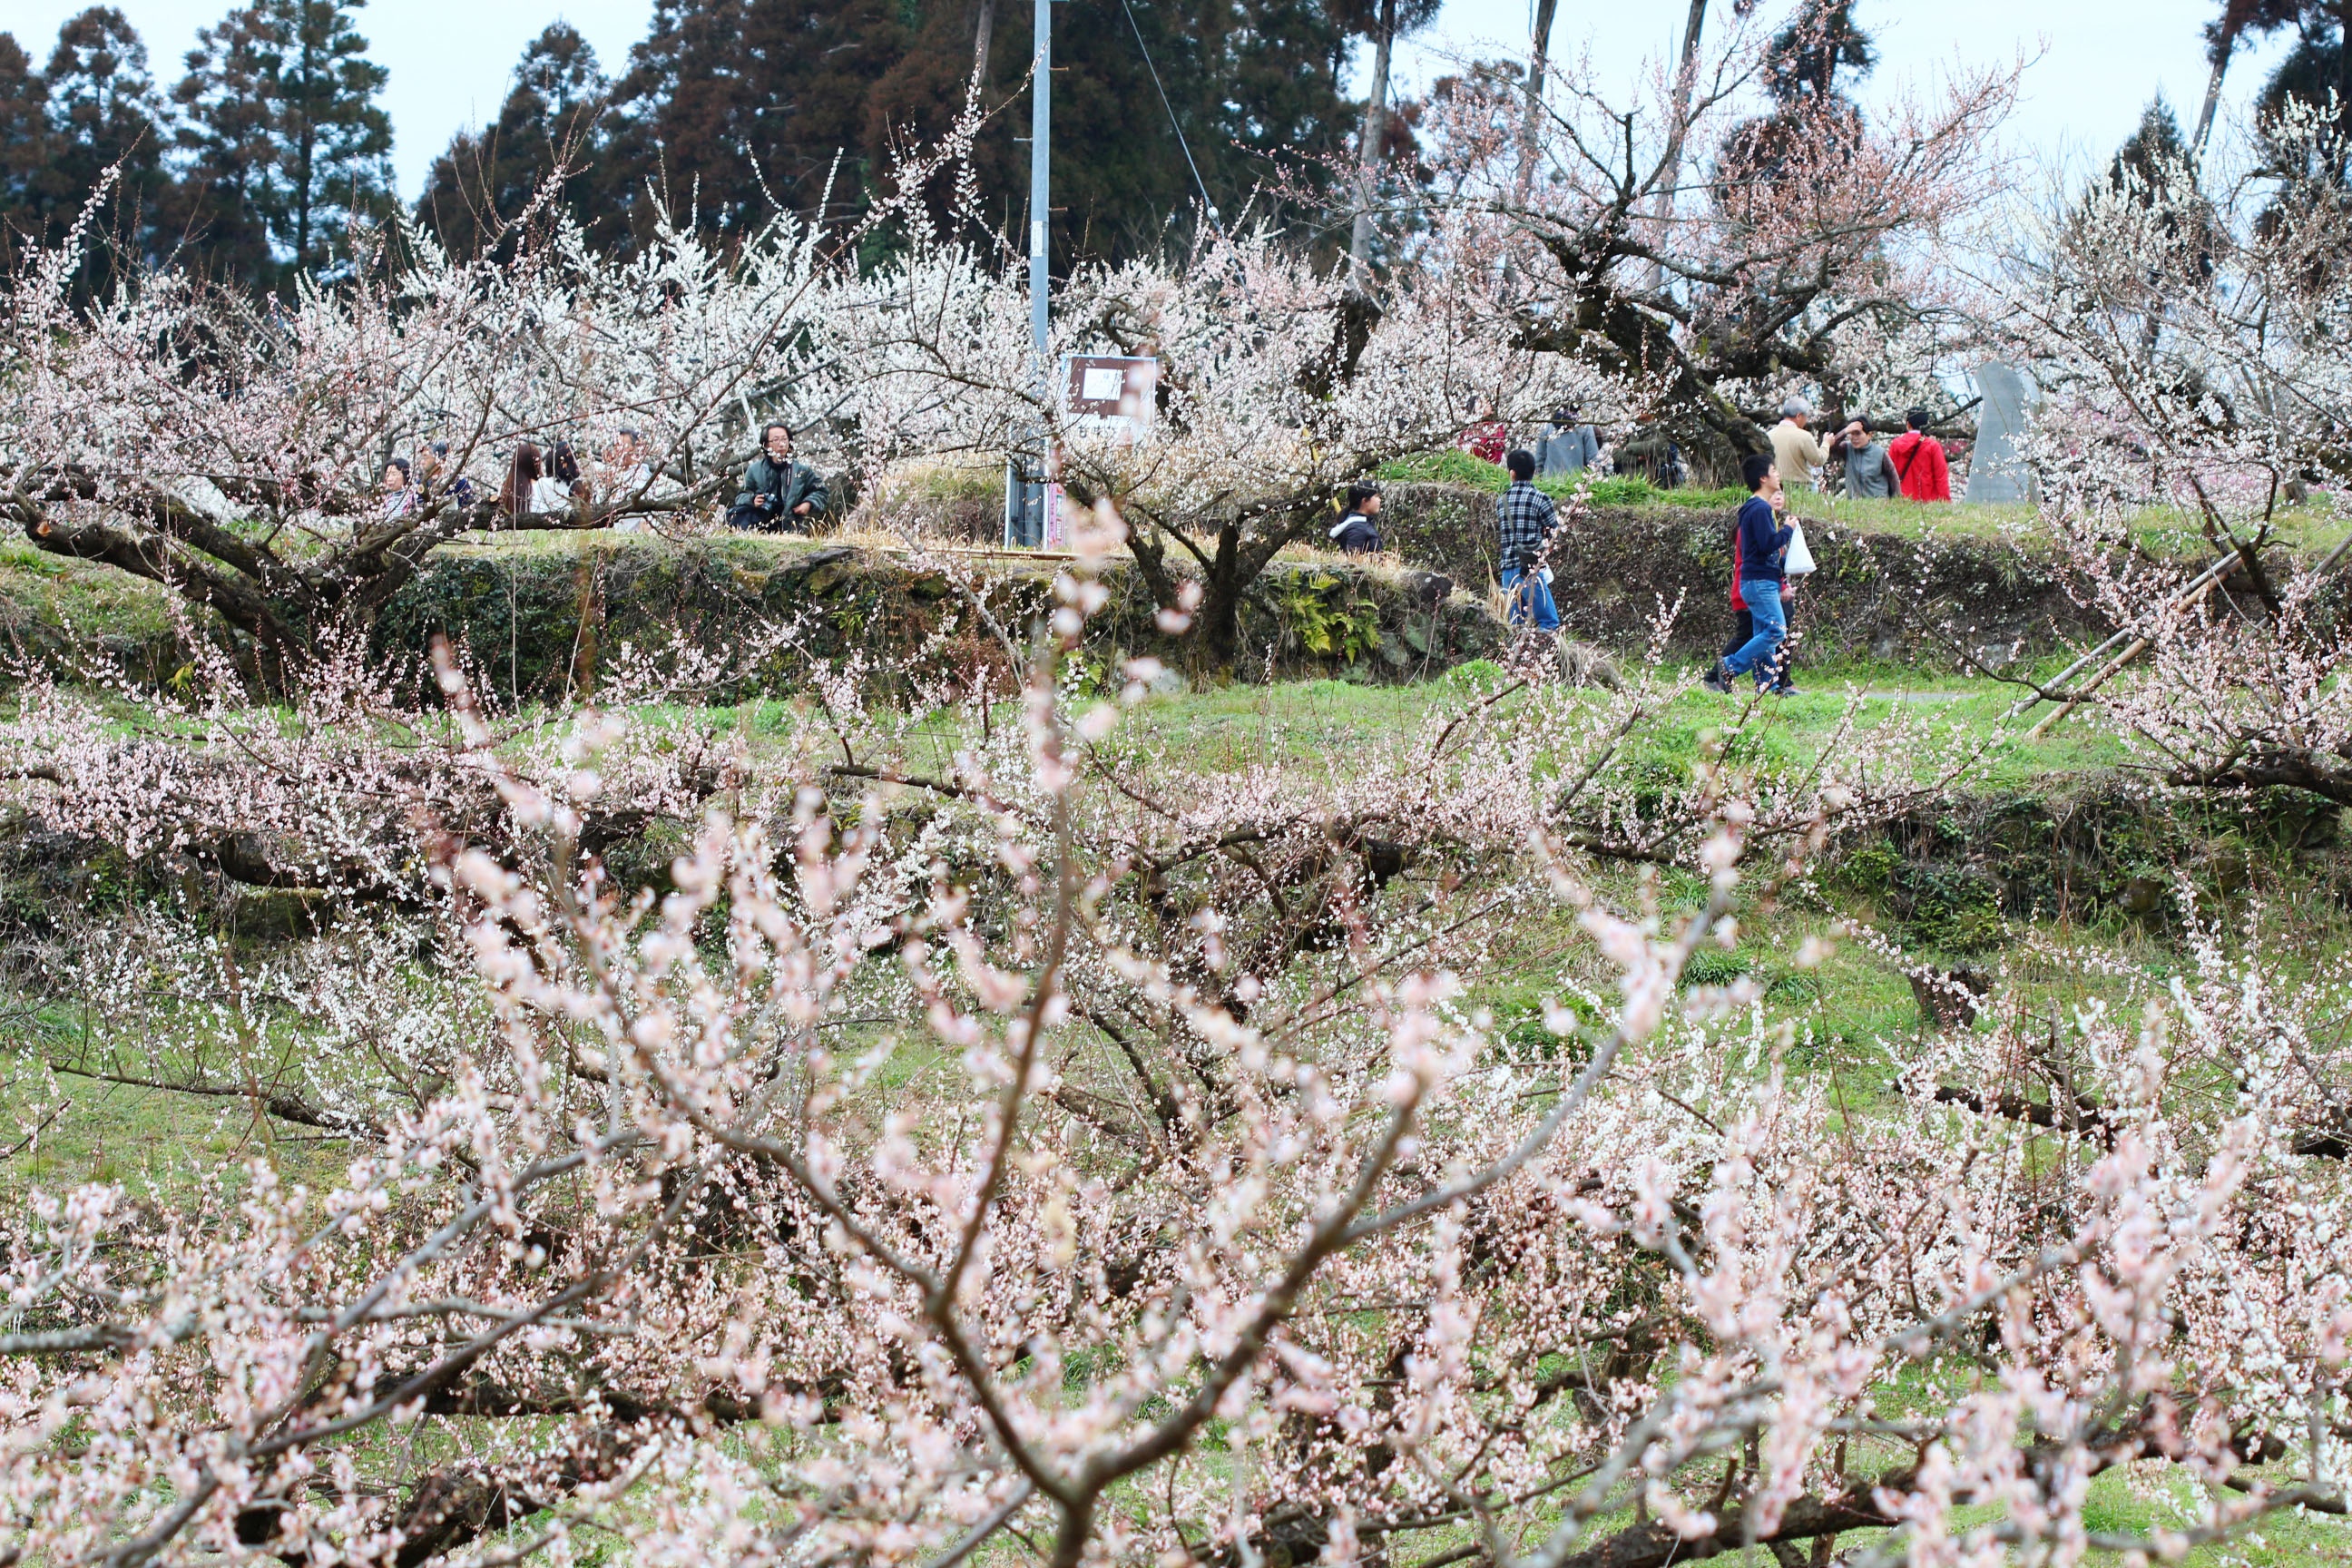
1919, 460
1487, 440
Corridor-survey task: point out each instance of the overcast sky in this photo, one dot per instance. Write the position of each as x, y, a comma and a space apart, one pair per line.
2098, 61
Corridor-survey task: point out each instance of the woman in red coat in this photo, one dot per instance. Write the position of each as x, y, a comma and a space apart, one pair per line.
1918, 460
1488, 436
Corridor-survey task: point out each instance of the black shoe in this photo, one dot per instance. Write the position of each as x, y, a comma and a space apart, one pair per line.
1718, 680
1784, 689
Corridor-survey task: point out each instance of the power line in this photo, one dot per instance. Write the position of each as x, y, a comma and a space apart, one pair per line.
1209, 207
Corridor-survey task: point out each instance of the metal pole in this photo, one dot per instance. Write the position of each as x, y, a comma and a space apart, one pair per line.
1025, 512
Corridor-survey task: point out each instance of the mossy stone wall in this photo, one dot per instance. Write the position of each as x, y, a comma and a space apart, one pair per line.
537, 617
1876, 595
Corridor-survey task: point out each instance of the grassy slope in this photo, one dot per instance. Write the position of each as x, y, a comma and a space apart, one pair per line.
1843, 1015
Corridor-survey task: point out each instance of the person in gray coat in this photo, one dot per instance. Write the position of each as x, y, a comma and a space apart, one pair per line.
1869, 472
1566, 445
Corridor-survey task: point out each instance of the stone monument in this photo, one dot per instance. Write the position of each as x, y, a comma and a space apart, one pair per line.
1997, 470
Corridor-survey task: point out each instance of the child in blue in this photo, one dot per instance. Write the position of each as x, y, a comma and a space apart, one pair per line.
1763, 554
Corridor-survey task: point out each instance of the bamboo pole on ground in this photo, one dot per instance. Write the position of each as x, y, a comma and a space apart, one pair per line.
2210, 580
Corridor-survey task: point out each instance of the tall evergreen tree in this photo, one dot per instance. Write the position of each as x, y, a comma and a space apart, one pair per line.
93, 109
1254, 84
227, 147
554, 118
285, 122
743, 107
2317, 75
24, 146
105, 114
1804, 68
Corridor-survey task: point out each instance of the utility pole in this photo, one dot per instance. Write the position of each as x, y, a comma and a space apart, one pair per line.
1024, 484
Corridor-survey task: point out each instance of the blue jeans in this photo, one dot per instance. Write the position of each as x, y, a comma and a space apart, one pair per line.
1762, 652
1528, 593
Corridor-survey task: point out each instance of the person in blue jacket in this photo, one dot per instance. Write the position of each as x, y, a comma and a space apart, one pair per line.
1763, 554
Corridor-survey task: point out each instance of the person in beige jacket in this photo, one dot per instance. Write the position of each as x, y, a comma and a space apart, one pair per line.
1795, 452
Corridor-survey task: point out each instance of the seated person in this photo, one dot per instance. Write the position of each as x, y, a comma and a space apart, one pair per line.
780, 494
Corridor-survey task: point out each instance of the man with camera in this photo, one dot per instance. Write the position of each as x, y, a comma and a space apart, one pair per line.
779, 493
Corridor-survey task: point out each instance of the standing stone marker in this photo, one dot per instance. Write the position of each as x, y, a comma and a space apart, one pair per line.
1997, 470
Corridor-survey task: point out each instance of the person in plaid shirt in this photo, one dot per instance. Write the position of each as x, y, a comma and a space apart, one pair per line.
1524, 517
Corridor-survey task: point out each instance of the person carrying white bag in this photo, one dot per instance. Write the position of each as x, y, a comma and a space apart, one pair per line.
1762, 552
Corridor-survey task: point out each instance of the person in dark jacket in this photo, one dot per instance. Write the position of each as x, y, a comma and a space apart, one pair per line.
1358, 531
779, 493
1763, 553
1743, 621
1525, 518
434, 477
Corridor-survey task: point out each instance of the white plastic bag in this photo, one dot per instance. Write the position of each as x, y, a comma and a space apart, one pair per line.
1799, 560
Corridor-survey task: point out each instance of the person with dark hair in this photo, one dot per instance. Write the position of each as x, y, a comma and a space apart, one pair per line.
1357, 532
1567, 444
563, 468
433, 460
1918, 460
1869, 472
1486, 435
1762, 554
399, 494
519, 496
779, 493
1743, 619
1523, 519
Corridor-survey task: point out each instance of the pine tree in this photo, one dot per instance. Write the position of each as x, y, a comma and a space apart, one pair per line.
104, 114
285, 123
553, 119
745, 107
226, 146
24, 147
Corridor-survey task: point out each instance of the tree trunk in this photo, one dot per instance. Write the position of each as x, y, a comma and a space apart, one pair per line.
1538, 56
1368, 149
1686, 83
2213, 98
1217, 624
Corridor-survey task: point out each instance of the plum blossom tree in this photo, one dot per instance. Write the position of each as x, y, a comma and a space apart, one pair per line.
1217, 1220
2186, 328
1811, 257
175, 434
233, 454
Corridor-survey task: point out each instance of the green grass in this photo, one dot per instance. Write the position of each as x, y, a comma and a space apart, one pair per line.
1844, 1014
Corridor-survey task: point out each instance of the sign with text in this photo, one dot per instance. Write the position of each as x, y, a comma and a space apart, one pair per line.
1114, 394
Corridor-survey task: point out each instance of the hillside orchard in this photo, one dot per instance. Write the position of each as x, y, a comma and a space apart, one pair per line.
984, 1128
